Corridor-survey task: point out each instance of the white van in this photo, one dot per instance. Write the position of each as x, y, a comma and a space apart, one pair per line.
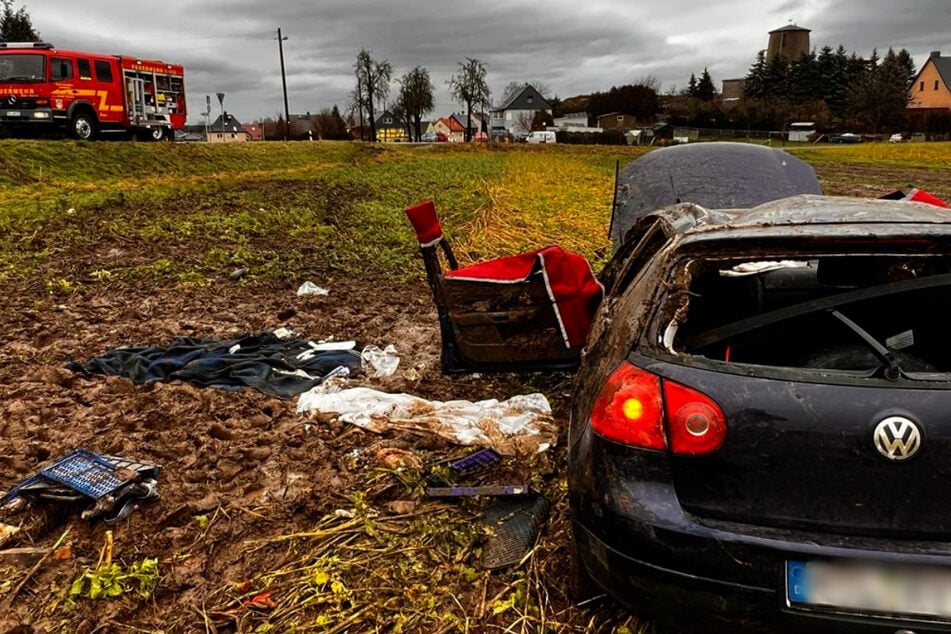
542, 136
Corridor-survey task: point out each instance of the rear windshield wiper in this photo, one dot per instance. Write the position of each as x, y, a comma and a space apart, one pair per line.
892, 370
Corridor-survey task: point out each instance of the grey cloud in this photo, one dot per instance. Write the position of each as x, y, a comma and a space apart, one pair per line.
575, 47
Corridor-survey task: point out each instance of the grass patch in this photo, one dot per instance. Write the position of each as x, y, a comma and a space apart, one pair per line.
902, 155
268, 206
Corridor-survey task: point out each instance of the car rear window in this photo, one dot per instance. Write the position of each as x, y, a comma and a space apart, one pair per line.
863, 315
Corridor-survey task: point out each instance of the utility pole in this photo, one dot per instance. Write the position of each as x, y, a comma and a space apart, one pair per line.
207, 114
221, 102
287, 116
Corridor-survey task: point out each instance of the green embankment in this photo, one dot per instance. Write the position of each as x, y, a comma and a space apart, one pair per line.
206, 208
268, 206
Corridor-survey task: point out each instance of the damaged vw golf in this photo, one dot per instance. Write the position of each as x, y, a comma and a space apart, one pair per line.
761, 427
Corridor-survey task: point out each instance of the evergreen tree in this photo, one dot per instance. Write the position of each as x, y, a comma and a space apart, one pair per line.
908, 65
705, 88
804, 82
16, 26
836, 79
331, 126
754, 85
775, 78
691, 86
880, 95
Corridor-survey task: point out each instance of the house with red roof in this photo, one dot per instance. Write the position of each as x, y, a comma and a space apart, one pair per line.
454, 131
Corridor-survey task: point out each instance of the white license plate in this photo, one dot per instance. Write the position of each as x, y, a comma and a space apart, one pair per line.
860, 587
13, 113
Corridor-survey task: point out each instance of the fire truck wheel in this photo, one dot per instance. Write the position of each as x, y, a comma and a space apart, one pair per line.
159, 134
83, 126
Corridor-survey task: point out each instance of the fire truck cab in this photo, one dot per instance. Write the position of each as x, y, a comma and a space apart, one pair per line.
88, 95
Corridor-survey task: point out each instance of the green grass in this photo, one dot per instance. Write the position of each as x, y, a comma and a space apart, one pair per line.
206, 208
268, 205
894, 155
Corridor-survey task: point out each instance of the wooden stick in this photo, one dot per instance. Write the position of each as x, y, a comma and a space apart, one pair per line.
8, 602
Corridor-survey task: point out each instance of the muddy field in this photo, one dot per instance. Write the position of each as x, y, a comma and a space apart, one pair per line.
255, 497
238, 468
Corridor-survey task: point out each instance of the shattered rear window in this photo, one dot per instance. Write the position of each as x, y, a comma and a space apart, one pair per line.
876, 316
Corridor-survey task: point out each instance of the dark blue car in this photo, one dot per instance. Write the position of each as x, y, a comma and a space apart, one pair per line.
761, 427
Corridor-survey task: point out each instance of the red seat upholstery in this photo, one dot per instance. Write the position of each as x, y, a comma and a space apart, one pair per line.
529, 311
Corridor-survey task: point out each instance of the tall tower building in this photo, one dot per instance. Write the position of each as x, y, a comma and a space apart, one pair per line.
789, 41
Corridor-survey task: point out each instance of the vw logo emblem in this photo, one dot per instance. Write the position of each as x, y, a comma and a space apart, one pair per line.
897, 438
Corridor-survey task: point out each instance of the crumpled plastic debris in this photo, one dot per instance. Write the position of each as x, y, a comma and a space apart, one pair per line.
520, 425
285, 333
382, 361
309, 288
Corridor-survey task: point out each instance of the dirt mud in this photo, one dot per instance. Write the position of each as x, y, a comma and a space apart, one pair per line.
239, 468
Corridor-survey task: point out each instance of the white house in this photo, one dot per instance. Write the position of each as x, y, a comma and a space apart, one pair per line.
515, 115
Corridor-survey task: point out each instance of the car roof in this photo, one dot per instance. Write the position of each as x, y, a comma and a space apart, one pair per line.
806, 215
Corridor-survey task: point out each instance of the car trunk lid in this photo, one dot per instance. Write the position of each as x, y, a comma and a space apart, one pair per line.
825, 456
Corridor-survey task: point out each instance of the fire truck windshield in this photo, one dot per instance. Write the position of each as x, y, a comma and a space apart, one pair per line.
16, 68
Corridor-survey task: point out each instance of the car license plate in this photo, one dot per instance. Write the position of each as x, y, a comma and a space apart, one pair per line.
13, 113
861, 587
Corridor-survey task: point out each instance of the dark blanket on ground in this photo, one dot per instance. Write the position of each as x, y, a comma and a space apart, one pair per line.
264, 361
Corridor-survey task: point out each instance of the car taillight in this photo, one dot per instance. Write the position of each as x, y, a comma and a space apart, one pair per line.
634, 406
629, 409
695, 423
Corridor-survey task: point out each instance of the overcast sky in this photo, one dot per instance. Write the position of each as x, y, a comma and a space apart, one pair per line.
575, 47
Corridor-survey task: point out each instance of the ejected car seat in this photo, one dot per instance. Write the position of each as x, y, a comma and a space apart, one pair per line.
530, 311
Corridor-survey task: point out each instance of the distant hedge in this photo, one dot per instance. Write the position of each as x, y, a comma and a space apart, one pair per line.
608, 137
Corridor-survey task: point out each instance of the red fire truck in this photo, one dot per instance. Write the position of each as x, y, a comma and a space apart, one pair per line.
87, 94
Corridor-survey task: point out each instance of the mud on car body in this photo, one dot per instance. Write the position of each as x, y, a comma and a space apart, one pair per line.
761, 428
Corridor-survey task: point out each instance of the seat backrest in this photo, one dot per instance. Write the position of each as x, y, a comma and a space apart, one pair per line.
425, 223
429, 233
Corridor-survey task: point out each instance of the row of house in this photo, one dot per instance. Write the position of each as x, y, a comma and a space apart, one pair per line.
512, 118
930, 91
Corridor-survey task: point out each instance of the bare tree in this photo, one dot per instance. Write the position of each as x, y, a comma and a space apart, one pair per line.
648, 81
523, 121
373, 82
416, 98
470, 88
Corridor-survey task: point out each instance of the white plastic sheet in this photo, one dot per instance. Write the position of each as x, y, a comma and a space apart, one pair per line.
309, 288
518, 426
382, 361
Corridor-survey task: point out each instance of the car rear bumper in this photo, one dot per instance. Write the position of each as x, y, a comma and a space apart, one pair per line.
638, 544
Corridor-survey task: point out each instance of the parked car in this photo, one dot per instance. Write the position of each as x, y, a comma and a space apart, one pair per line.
845, 137
429, 137
759, 431
541, 136
896, 138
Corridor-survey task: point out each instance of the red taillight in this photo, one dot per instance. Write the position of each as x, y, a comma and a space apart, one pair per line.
629, 410
695, 423
632, 410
